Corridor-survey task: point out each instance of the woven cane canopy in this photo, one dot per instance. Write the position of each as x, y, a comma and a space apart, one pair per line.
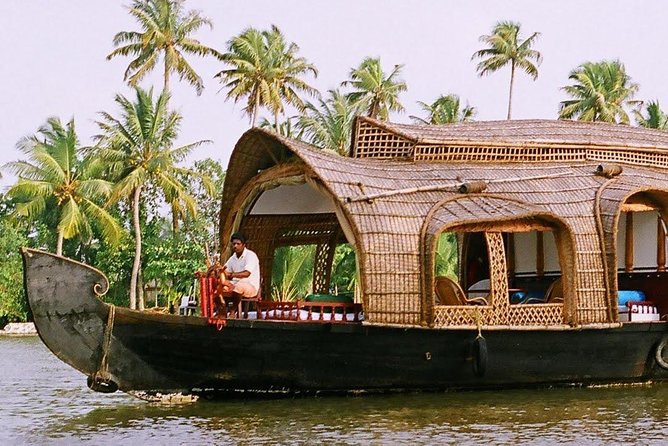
386, 195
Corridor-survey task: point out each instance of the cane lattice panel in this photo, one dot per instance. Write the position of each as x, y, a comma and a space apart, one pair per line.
498, 277
322, 268
452, 153
375, 142
536, 315
460, 315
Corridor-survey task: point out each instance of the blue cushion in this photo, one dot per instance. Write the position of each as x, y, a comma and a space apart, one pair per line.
625, 296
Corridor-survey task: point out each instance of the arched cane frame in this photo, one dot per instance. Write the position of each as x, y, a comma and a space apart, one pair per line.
494, 215
622, 195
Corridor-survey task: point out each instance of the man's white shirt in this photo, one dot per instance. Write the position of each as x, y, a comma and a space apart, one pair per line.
247, 261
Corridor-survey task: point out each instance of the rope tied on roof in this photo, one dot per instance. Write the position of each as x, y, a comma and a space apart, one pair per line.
474, 187
608, 170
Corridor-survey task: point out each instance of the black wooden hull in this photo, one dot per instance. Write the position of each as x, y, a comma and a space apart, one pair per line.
167, 353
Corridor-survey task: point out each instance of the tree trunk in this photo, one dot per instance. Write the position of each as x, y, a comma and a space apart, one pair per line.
510, 92
175, 220
276, 121
137, 261
374, 109
59, 244
255, 107
140, 290
165, 85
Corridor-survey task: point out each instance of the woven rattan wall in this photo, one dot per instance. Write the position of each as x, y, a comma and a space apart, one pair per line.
390, 268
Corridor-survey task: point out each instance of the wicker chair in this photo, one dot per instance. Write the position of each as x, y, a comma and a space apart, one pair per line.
555, 292
449, 292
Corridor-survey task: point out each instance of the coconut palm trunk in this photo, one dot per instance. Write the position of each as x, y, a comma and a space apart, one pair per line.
137, 261
59, 244
510, 91
506, 48
255, 108
165, 85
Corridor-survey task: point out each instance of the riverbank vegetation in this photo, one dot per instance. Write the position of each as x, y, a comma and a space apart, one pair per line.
128, 202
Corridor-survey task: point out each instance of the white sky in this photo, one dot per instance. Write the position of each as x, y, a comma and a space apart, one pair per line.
54, 56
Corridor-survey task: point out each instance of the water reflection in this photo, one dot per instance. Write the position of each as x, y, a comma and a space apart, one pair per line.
49, 402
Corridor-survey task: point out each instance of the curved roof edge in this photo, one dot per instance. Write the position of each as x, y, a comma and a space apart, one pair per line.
259, 149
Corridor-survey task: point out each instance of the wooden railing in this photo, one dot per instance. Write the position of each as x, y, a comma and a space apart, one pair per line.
334, 312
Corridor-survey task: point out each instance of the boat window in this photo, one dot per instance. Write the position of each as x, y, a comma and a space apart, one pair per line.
293, 276
292, 272
344, 270
455, 269
641, 264
462, 268
534, 270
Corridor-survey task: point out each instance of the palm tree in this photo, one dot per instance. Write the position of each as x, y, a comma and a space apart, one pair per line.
292, 272
375, 92
138, 148
265, 70
506, 47
600, 91
56, 176
329, 124
655, 117
445, 110
286, 128
166, 31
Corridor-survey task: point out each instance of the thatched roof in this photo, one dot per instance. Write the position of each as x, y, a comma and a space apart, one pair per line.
529, 132
390, 203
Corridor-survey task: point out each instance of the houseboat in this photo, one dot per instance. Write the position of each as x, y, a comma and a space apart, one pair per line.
556, 235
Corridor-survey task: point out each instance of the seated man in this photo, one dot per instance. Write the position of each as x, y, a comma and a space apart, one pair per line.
242, 271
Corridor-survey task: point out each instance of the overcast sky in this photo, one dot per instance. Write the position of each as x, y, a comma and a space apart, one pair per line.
54, 56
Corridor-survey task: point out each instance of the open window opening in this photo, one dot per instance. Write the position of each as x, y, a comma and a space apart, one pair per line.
642, 279
295, 277
534, 269
308, 267
462, 274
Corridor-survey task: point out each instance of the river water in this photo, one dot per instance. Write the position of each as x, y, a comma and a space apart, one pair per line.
44, 401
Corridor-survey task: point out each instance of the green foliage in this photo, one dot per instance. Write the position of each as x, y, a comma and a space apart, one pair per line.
265, 70
654, 117
329, 124
285, 128
447, 256
506, 47
138, 151
600, 92
116, 264
292, 272
58, 182
13, 304
374, 91
344, 269
171, 261
166, 31
207, 189
445, 110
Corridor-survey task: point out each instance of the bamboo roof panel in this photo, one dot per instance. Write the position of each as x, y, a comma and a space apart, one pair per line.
534, 132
